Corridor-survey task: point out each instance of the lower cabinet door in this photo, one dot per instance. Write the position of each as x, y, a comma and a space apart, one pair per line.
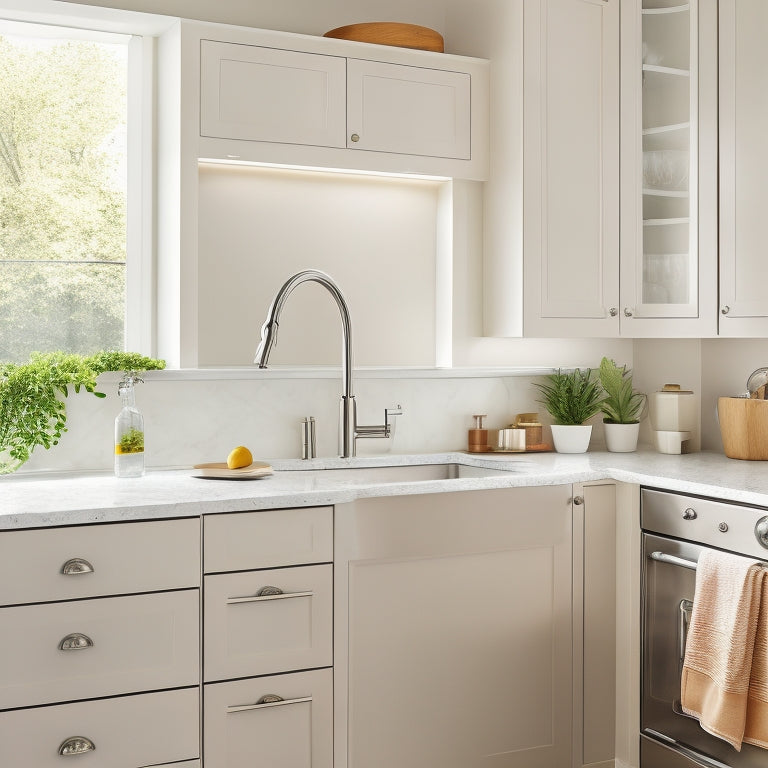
125, 732
280, 721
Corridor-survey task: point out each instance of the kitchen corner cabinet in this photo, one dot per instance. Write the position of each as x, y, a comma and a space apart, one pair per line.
646, 267
571, 173
669, 169
454, 630
743, 167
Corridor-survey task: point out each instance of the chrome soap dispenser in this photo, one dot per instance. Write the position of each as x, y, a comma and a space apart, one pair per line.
129, 431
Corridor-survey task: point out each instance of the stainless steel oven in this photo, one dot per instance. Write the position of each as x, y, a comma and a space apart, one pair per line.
676, 529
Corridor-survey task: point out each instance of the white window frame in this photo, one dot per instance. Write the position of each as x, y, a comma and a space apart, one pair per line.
143, 30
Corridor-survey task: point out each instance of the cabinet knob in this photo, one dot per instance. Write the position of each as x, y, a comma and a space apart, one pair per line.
77, 641
355, 137
76, 566
613, 311
76, 745
761, 531
690, 514
725, 309
627, 312
578, 500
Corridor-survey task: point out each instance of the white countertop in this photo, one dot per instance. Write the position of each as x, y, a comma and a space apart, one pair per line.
29, 501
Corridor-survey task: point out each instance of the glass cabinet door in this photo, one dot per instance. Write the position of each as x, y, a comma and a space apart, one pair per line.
667, 274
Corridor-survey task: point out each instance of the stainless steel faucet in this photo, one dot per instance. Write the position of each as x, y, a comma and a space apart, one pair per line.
349, 430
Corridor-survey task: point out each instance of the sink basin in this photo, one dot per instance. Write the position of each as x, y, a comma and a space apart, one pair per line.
404, 473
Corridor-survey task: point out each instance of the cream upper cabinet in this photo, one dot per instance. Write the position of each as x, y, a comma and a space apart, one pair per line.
743, 167
408, 110
266, 94
283, 98
668, 168
571, 176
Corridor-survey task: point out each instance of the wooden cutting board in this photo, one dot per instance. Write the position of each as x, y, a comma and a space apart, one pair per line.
220, 471
391, 33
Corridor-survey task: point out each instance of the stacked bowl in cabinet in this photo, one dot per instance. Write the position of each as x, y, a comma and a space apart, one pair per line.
268, 639
99, 627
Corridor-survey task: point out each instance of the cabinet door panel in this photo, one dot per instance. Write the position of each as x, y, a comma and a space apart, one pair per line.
141, 642
571, 176
296, 732
743, 167
265, 94
408, 110
459, 609
250, 635
126, 732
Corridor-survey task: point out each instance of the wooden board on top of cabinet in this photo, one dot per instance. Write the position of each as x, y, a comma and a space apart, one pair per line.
93, 560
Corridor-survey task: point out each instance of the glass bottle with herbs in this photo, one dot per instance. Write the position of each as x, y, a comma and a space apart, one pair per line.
129, 431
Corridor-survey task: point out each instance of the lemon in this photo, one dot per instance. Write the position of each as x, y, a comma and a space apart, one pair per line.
239, 457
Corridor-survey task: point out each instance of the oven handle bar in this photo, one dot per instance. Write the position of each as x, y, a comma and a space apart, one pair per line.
672, 560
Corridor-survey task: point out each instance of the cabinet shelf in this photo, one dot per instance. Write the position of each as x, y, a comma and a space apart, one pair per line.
665, 222
672, 9
666, 129
665, 192
675, 71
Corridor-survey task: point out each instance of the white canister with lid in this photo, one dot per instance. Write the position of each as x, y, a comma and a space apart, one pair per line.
673, 409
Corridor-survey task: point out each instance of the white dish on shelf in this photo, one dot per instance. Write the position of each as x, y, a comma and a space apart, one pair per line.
665, 169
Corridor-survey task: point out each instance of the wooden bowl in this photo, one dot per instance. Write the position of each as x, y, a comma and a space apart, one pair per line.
744, 427
391, 33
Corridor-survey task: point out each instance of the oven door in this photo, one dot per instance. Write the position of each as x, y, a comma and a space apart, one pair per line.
670, 738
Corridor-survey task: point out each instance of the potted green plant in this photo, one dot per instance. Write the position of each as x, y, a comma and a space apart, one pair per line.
622, 407
32, 412
571, 398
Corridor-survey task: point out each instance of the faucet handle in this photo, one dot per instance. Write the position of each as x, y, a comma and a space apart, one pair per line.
388, 412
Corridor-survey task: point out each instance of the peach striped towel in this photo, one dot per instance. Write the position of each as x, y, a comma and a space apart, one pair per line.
721, 640
756, 731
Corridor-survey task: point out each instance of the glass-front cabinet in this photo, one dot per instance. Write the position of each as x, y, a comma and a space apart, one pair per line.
669, 185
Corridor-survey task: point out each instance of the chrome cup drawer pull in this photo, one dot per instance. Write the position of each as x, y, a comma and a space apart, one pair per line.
77, 641
76, 745
76, 566
261, 596
268, 700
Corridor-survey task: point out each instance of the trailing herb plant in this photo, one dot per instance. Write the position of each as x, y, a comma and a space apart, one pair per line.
32, 412
572, 397
622, 404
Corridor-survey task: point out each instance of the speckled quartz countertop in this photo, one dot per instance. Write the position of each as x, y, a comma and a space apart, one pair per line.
28, 501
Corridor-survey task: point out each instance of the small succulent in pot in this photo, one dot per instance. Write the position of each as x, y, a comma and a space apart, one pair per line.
571, 397
621, 404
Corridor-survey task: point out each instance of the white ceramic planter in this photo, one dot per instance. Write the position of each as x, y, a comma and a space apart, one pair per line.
621, 438
571, 438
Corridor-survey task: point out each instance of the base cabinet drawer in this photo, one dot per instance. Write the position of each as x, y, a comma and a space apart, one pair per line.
265, 622
48, 564
273, 538
247, 725
103, 647
126, 732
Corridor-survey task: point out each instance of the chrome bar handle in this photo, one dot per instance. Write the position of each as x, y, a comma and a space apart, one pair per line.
76, 745
269, 700
684, 620
661, 557
260, 596
76, 566
77, 641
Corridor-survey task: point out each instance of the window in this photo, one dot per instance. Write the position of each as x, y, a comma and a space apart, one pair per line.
64, 189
